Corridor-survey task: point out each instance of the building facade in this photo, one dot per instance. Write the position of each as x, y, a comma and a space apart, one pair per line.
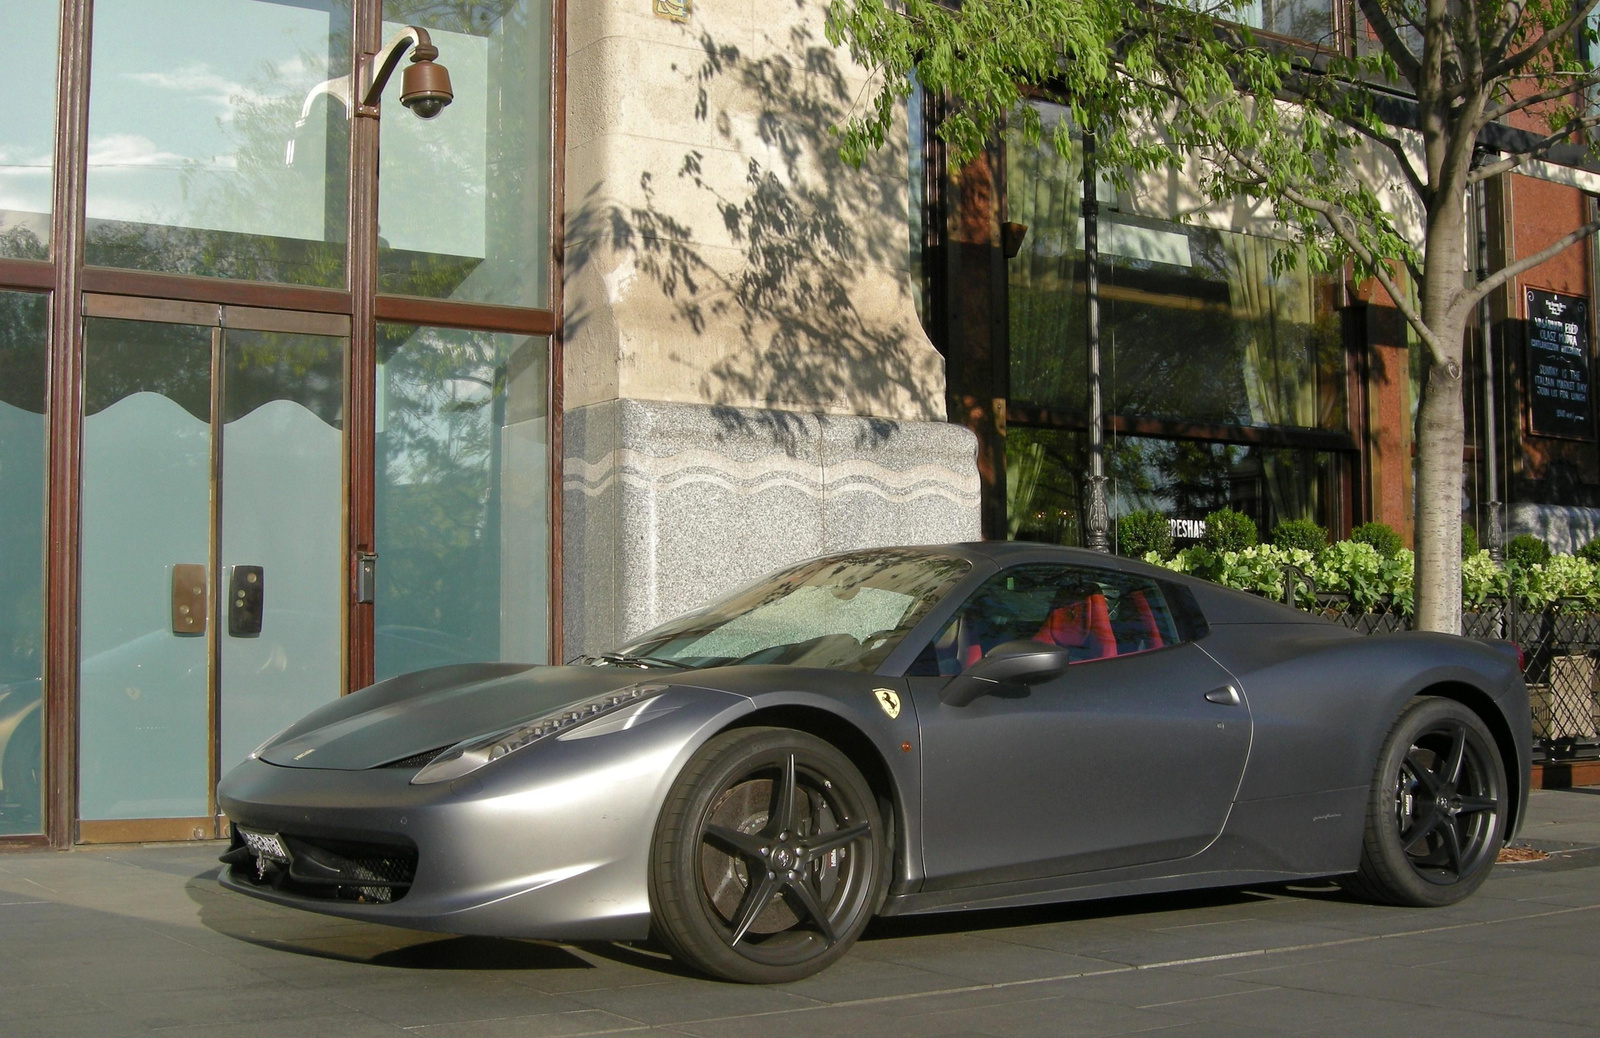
299, 392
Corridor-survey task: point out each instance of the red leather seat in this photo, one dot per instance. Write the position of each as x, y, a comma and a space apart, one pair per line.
1083, 623
1144, 620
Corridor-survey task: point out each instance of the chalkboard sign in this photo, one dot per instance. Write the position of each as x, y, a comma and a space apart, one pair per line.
1558, 366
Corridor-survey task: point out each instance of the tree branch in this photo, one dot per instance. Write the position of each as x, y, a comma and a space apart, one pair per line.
1471, 297
1578, 82
1408, 63
1560, 34
1511, 162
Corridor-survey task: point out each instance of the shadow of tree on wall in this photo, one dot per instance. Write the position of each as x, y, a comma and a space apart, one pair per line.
802, 311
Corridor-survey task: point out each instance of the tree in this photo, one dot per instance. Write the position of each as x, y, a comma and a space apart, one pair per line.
1438, 96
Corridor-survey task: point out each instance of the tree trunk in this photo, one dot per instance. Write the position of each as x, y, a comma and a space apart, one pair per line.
1440, 436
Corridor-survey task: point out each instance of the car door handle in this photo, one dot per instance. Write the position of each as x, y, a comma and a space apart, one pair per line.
1227, 695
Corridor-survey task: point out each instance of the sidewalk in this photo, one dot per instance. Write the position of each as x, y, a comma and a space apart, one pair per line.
142, 941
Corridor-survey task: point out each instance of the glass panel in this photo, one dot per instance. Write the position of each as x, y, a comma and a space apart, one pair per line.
218, 138
462, 471
1309, 20
1044, 470
1195, 325
464, 198
27, 133
282, 510
1092, 613
144, 746
1185, 479
22, 461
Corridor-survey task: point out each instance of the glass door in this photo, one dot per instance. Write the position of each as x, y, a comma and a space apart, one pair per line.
212, 550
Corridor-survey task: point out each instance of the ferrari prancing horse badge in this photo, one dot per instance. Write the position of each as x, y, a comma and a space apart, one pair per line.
889, 700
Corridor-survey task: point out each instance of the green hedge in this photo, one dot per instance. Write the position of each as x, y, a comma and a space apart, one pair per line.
1358, 569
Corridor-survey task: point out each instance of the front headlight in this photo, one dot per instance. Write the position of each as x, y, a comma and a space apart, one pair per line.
466, 757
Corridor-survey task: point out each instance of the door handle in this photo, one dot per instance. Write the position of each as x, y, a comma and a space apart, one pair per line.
188, 598
246, 590
1227, 695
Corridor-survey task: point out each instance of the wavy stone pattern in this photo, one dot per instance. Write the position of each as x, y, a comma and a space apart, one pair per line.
669, 505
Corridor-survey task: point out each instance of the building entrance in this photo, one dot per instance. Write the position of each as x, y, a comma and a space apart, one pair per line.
212, 550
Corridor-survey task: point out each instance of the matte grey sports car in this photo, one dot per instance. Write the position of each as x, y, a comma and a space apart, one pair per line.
894, 731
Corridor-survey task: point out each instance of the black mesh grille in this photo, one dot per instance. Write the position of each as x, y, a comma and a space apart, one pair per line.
331, 869
417, 760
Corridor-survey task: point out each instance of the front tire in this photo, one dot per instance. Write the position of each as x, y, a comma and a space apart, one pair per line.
1436, 813
769, 858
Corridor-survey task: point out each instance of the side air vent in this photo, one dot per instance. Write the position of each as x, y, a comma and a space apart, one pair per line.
417, 761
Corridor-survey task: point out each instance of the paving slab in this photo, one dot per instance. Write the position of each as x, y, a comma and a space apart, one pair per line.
142, 941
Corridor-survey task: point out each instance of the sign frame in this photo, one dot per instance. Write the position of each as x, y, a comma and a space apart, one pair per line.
1560, 352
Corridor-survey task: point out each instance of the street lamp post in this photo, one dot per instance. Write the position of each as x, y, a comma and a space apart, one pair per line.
1097, 523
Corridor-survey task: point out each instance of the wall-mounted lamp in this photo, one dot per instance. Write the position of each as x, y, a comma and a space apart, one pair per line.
424, 87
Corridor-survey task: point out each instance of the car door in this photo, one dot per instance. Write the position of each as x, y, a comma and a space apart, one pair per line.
1132, 756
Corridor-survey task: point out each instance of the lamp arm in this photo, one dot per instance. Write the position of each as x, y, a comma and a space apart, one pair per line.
374, 70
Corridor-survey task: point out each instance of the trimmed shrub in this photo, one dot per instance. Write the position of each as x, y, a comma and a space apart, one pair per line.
1591, 552
1380, 535
1228, 530
1142, 532
1469, 541
1527, 550
1300, 533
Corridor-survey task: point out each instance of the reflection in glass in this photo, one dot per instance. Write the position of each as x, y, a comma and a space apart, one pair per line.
218, 143
22, 461
1180, 479
462, 501
464, 199
1309, 20
282, 495
1196, 324
144, 744
27, 131
1185, 479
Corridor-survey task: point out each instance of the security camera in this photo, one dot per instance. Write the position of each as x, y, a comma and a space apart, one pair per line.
425, 88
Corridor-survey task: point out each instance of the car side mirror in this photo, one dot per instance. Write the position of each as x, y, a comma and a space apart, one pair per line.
1009, 663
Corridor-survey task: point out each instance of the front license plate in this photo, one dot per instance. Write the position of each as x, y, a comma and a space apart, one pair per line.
265, 845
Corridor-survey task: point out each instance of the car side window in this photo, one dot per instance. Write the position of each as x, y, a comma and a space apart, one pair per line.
1092, 613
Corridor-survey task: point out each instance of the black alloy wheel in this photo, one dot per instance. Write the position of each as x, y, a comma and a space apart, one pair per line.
1436, 814
769, 858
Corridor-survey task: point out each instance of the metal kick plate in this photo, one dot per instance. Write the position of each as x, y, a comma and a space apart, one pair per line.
246, 594
188, 598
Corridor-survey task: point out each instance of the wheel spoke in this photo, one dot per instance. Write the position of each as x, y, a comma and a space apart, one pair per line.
1423, 828
1452, 846
1427, 779
1458, 750
1471, 804
809, 901
756, 900
784, 790
820, 845
747, 844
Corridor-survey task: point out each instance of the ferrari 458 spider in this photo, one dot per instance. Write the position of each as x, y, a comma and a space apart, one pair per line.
893, 731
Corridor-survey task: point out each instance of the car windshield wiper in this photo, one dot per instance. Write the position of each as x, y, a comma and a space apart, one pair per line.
628, 660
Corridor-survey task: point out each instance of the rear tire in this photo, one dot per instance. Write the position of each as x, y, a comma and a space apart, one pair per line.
769, 858
1436, 813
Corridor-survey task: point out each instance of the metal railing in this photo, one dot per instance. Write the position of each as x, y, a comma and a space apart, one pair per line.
1560, 650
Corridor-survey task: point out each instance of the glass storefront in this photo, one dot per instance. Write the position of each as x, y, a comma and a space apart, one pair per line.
22, 470
219, 138
462, 483
221, 510
1197, 328
1180, 479
27, 133
1195, 323
464, 209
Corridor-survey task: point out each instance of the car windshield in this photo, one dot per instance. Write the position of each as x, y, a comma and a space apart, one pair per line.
845, 612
